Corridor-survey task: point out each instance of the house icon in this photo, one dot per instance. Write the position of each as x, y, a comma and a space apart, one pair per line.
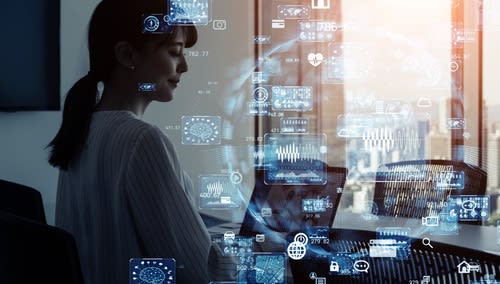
463, 267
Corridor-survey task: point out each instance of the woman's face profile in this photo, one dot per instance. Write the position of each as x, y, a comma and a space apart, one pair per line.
162, 63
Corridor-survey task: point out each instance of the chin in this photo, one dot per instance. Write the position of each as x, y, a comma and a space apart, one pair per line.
164, 96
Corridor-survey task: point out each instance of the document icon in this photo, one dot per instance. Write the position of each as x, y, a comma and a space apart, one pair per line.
383, 248
260, 238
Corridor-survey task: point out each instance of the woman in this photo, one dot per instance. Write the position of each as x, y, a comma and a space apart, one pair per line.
122, 192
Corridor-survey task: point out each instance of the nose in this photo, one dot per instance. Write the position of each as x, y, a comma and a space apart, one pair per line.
182, 66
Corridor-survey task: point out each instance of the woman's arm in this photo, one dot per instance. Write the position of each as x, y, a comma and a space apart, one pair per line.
165, 219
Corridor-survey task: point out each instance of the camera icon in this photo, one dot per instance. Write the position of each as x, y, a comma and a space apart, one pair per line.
430, 221
219, 25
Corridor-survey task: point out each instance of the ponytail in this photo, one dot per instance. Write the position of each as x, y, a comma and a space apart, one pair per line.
78, 107
103, 35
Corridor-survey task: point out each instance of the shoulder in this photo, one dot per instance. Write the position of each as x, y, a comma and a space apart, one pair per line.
152, 153
125, 127
152, 134
149, 139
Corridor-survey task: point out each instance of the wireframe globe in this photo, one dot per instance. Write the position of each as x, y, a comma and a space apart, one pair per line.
296, 250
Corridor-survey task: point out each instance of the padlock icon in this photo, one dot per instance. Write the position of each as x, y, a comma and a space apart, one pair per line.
334, 266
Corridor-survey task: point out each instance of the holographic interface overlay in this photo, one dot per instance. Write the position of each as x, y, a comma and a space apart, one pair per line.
295, 159
201, 130
182, 12
346, 263
155, 24
219, 192
439, 180
391, 242
152, 270
469, 207
443, 223
374, 139
262, 268
299, 125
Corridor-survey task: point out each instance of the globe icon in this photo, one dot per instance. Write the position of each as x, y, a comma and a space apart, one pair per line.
296, 250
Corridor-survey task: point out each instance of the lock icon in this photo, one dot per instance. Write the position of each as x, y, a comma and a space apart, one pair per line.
334, 266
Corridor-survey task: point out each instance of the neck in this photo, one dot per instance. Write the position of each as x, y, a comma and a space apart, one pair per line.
123, 95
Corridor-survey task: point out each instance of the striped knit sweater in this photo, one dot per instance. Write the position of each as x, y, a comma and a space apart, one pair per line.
127, 196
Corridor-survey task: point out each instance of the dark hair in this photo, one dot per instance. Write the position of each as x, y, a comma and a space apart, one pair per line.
111, 22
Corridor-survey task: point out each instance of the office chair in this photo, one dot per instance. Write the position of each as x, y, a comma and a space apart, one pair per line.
36, 253
404, 189
22, 201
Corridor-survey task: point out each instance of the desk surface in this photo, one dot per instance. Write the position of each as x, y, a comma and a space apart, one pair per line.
439, 262
480, 238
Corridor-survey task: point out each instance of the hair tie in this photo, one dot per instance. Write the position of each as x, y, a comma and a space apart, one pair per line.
98, 87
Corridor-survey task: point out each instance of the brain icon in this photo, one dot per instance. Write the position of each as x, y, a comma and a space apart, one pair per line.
152, 275
201, 130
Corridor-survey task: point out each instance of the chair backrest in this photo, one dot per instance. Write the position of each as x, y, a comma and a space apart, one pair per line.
22, 201
36, 253
405, 189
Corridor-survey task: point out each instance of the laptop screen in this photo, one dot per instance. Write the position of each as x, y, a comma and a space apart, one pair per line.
288, 208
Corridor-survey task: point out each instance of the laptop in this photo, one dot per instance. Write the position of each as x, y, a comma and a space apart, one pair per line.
278, 209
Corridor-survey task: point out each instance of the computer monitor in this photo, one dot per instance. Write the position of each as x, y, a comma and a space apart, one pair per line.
287, 208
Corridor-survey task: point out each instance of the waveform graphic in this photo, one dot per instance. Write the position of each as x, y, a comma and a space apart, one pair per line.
293, 152
258, 154
378, 138
215, 188
386, 139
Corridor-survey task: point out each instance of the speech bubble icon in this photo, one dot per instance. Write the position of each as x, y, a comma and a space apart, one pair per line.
469, 205
361, 266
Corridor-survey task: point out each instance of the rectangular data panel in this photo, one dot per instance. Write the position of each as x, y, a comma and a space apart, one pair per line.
317, 31
261, 268
469, 207
294, 125
152, 270
295, 158
292, 98
219, 192
392, 242
189, 12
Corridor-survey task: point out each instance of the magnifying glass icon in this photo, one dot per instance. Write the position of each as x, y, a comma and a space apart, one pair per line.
427, 242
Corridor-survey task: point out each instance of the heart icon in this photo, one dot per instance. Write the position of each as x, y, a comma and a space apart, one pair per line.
315, 58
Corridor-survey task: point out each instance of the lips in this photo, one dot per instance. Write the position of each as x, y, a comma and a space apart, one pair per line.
173, 82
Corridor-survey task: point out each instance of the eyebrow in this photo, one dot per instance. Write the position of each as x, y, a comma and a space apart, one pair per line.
172, 44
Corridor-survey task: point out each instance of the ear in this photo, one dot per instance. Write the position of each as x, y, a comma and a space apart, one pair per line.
125, 54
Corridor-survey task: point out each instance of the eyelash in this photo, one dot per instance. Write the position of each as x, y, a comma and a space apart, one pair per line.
175, 53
